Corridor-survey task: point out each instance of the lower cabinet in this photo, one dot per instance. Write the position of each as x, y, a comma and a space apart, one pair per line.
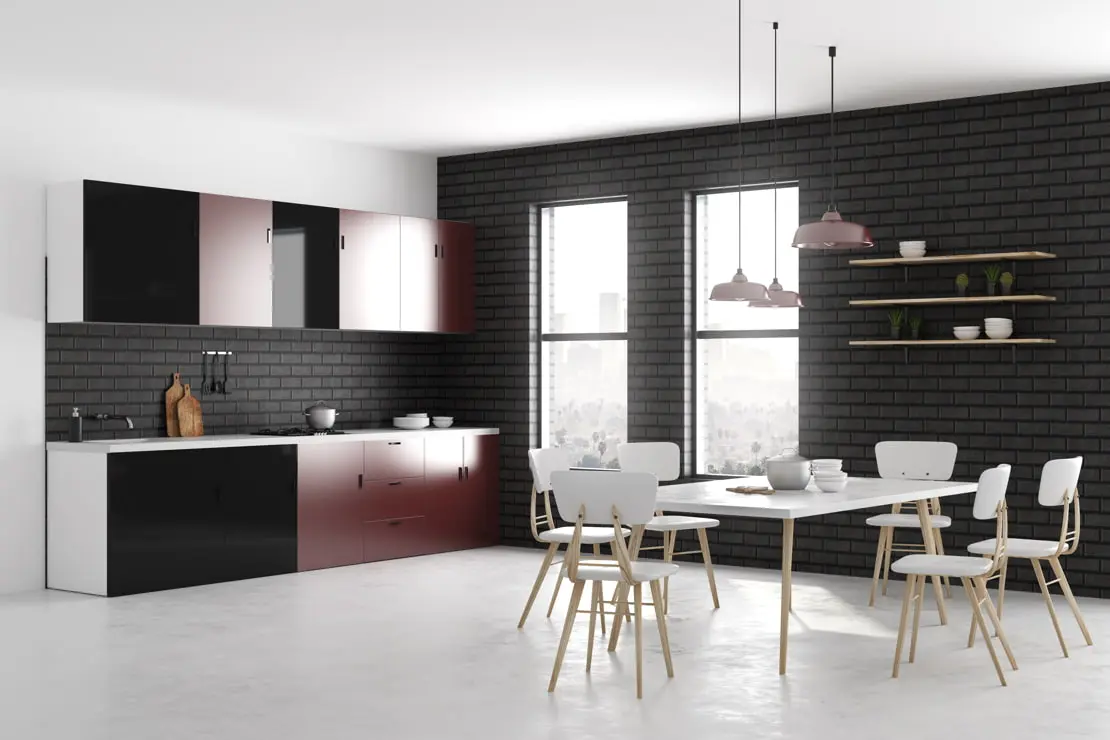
192, 517
330, 504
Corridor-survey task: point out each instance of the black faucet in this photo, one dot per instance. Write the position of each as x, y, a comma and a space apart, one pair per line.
105, 417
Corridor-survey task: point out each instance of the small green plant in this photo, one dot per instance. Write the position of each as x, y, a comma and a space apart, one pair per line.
897, 317
915, 323
1006, 278
962, 280
992, 272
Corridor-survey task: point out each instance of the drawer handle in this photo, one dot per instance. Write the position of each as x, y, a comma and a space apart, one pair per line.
395, 483
395, 523
393, 443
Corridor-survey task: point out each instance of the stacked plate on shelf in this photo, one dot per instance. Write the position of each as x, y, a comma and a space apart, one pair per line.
999, 328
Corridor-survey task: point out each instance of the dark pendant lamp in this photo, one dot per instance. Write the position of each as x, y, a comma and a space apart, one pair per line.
777, 297
739, 289
832, 233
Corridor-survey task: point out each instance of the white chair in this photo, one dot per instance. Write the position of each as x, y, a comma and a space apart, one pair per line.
663, 460
618, 499
990, 503
1059, 486
913, 461
543, 462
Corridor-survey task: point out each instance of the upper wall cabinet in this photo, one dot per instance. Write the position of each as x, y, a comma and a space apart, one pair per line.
133, 254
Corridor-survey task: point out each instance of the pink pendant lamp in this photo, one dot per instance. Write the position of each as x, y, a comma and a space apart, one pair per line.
739, 289
832, 233
776, 296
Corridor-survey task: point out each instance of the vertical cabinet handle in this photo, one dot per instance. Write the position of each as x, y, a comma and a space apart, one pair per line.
467, 469
460, 473
342, 242
268, 231
360, 480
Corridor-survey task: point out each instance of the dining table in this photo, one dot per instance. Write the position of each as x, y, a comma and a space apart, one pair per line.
712, 498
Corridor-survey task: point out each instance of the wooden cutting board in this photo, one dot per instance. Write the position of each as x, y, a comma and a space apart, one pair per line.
173, 395
188, 415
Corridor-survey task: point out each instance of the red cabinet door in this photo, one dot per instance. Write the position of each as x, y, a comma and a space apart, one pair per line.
444, 485
369, 271
456, 276
420, 267
236, 279
330, 505
481, 488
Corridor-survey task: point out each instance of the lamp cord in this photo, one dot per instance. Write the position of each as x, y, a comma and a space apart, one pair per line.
832, 126
739, 140
775, 145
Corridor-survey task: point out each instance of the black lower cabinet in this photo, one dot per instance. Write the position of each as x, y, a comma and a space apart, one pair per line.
191, 517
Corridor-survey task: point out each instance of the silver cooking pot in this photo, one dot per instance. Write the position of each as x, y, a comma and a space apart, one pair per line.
788, 471
320, 416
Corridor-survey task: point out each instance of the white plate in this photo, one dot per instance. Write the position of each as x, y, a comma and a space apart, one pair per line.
411, 422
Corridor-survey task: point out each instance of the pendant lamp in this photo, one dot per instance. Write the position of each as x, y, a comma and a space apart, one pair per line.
776, 296
739, 289
832, 233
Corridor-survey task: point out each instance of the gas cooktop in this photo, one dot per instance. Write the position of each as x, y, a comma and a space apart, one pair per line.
297, 432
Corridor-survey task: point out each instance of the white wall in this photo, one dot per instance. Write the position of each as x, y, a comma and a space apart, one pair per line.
55, 137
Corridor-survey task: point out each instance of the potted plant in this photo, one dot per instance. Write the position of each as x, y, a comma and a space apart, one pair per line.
1007, 282
897, 316
962, 281
915, 327
992, 273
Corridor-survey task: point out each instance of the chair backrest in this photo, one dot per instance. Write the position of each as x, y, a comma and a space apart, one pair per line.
993, 483
600, 492
545, 461
661, 459
1059, 480
916, 460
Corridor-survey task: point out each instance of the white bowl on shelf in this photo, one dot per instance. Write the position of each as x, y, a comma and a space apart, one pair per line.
411, 422
911, 249
832, 485
999, 333
418, 415
966, 332
442, 422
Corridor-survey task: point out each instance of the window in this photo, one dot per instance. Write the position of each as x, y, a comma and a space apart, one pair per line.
746, 359
583, 332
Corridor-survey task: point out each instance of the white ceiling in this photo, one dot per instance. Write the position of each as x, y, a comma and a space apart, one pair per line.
445, 76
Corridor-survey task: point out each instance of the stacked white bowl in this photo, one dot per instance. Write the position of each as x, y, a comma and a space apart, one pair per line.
911, 249
442, 422
411, 421
828, 476
966, 332
999, 328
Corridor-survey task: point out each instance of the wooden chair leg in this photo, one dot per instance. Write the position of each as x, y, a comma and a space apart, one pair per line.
940, 551
1059, 571
621, 597
540, 577
703, 540
887, 551
1002, 571
568, 626
978, 615
878, 565
1048, 602
668, 555
661, 621
555, 593
638, 591
597, 554
981, 584
918, 600
595, 605
910, 582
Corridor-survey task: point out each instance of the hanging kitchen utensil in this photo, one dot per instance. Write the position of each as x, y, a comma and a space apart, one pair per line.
189, 415
223, 387
173, 395
203, 372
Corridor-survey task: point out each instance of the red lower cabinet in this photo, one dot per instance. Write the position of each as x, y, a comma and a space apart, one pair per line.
402, 537
462, 480
330, 505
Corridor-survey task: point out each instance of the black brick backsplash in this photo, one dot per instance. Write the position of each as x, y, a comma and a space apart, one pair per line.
1027, 170
273, 375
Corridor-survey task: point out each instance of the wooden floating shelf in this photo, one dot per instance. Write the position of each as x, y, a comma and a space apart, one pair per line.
935, 342
942, 259
955, 300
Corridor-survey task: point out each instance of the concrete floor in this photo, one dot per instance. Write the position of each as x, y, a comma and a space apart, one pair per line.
428, 648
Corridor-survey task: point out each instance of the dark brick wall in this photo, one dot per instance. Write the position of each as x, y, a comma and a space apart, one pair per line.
1016, 171
274, 374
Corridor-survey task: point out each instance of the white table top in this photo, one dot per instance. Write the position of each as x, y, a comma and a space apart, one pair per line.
710, 497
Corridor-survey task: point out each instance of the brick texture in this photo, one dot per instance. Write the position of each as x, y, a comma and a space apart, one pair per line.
1018, 171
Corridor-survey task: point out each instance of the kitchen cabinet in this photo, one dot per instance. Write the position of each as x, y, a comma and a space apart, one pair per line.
330, 505
420, 275
191, 517
123, 253
462, 478
236, 279
306, 266
399, 537
388, 460
455, 277
369, 271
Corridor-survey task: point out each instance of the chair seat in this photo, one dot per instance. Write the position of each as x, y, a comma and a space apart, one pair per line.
675, 523
642, 571
956, 566
908, 521
1018, 548
590, 535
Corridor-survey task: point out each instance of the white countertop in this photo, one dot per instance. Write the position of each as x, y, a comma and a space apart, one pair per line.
155, 444
710, 497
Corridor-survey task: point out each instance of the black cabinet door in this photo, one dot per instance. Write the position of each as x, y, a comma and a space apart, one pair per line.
258, 508
306, 266
164, 521
141, 254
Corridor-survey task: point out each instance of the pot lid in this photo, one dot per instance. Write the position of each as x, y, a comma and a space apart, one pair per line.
320, 405
788, 455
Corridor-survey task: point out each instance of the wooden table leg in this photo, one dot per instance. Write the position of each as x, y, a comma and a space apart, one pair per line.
787, 567
927, 537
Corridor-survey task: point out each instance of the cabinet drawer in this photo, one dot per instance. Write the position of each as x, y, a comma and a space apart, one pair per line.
393, 460
394, 499
395, 538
